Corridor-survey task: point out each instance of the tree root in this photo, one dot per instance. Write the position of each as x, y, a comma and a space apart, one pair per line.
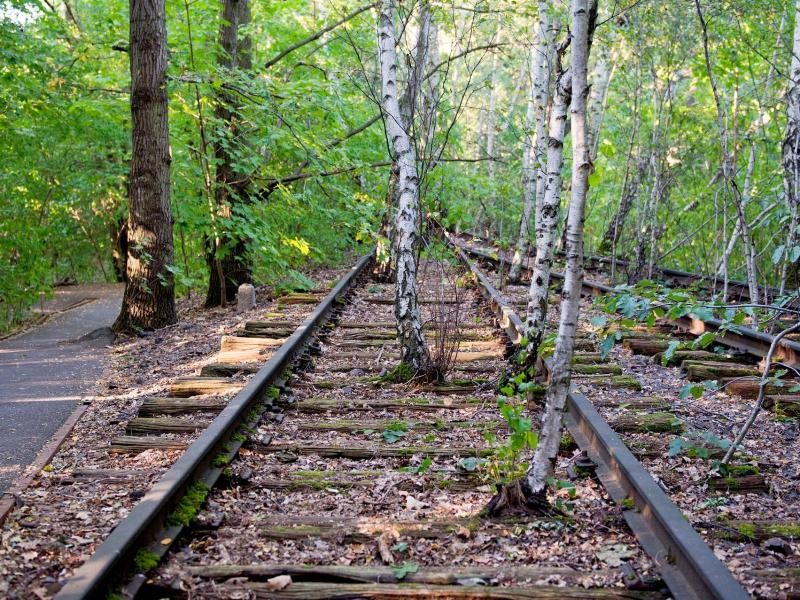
517, 498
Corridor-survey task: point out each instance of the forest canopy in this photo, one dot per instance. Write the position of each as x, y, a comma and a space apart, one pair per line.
309, 161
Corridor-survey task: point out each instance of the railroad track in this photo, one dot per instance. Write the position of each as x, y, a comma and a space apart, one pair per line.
746, 512
349, 468
738, 291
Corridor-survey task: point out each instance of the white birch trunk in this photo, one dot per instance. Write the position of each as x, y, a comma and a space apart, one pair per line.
603, 72
413, 349
550, 434
547, 214
791, 148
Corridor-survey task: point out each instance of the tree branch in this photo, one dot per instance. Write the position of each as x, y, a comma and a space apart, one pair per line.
281, 55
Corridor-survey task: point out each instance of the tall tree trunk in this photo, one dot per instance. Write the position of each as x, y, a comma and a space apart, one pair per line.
407, 106
791, 149
583, 19
529, 494
149, 299
413, 349
548, 214
603, 72
229, 266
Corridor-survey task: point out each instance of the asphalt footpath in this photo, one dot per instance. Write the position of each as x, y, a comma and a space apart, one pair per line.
47, 371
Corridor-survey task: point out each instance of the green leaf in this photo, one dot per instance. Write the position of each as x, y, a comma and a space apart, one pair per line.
607, 345
469, 464
400, 571
777, 254
794, 254
599, 321
670, 351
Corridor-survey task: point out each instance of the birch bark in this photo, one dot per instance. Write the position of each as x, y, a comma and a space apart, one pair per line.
413, 349
548, 214
791, 148
550, 434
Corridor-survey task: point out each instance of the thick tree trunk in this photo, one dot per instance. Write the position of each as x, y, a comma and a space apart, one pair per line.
149, 299
227, 259
413, 349
550, 434
791, 149
548, 217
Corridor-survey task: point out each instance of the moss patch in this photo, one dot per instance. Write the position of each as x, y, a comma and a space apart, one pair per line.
145, 560
188, 507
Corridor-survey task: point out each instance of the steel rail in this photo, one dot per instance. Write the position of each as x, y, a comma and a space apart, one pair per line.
734, 337
147, 525
687, 564
675, 275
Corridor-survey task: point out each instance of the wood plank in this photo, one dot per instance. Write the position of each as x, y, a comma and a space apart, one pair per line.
365, 451
197, 386
380, 591
367, 574
128, 444
156, 425
179, 406
233, 342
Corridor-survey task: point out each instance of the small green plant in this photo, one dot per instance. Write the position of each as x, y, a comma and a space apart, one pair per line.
402, 373
407, 568
697, 445
394, 432
420, 469
294, 282
505, 465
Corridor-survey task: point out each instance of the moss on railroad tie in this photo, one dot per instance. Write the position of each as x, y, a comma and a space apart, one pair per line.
656, 422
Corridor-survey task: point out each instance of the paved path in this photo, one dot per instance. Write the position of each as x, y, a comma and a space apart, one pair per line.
46, 371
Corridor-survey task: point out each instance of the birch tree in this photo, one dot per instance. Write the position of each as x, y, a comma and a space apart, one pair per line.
407, 104
549, 210
149, 299
534, 161
530, 493
791, 149
413, 349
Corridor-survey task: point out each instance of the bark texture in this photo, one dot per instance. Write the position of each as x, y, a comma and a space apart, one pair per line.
535, 160
227, 259
149, 299
548, 216
413, 349
791, 149
550, 434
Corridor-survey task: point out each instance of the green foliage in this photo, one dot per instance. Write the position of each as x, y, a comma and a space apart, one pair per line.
404, 569
697, 445
505, 464
145, 560
394, 432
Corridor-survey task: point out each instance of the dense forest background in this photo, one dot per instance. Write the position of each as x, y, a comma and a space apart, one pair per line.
313, 153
